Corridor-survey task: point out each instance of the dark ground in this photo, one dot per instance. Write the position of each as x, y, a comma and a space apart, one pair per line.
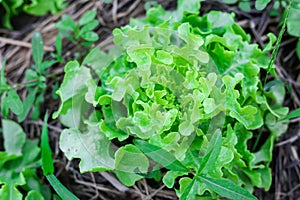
16, 50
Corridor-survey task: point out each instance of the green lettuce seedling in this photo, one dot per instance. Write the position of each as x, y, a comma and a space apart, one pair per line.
178, 91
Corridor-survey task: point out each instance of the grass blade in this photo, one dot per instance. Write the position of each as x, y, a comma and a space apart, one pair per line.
277, 45
47, 162
60, 189
294, 114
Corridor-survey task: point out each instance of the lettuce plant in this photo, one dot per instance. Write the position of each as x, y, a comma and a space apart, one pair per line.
181, 92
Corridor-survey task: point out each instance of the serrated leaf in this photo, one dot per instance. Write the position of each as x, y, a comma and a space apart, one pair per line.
226, 188
160, 155
92, 148
14, 137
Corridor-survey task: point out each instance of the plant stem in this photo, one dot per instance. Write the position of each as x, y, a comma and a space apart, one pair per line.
275, 50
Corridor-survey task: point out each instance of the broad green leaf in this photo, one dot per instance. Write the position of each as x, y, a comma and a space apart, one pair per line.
46, 64
15, 103
34, 195
87, 17
30, 157
10, 180
248, 115
243, 135
226, 188
14, 137
157, 15
4, 157
89, 26
47, 162
10, 192
130, 164
193, 40
164, 57
72, 118
33, 182
93, 57
292, 23
61, 190
170, 176
266, 177
37, 49
225, 158
74, 84
261, 4
252, 177
27, 104
42, 7
92, 148
277, 128
66, 24
265, 152
160, 155
90, 36
112, 132
219, 19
